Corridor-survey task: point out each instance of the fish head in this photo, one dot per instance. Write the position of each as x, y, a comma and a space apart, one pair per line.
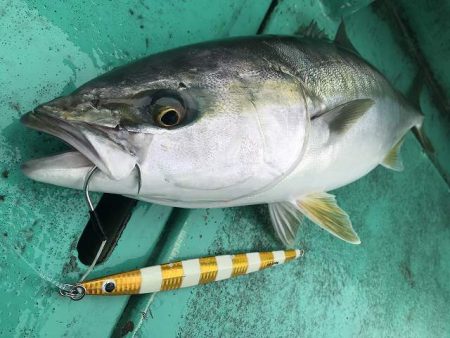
202, 123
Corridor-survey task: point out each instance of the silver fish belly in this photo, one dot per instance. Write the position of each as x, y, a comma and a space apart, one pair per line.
277, 120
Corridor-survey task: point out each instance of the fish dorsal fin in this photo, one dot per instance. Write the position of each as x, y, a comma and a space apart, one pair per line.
343, 117
342, 39
322, 209
393, 160
286, 220
312, 31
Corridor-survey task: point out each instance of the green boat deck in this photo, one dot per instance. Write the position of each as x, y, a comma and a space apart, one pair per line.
396, 283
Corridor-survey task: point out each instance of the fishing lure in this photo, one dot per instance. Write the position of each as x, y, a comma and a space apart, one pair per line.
182, 274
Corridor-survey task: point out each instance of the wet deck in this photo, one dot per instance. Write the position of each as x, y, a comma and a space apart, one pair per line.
394, 284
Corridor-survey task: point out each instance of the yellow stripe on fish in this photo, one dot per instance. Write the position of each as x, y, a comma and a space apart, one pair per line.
186, 273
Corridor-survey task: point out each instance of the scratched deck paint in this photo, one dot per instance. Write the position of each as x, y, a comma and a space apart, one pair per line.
395, 283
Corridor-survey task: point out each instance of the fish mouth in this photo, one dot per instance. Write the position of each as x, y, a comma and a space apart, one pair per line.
93, 146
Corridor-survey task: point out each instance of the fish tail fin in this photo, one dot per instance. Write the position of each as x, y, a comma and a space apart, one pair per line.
423, 139
414, 97
415, 91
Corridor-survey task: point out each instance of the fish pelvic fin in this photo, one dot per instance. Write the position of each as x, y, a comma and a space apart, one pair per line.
393, 159
286, 220
322, 209
341, 118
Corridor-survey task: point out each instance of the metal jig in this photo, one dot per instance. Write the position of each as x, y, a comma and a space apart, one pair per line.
186, 273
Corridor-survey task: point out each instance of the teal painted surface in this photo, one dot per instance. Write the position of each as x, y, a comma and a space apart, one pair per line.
394, 284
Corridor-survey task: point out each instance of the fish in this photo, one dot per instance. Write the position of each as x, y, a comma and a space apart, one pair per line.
276, 120
181, 274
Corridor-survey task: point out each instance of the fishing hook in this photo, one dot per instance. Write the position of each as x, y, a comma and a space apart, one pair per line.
89, 175
139, 173
77, 291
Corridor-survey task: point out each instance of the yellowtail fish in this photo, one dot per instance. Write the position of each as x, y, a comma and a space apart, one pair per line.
250, 120
183, 273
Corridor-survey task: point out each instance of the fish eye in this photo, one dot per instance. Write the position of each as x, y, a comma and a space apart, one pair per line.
109, 286
168, 117
167, 112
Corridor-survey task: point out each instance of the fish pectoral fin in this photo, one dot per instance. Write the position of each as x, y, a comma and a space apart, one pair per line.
286, 219
322, 209
393, 160
343, 117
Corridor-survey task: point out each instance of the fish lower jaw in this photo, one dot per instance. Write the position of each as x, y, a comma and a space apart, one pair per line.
71, 169
68, 169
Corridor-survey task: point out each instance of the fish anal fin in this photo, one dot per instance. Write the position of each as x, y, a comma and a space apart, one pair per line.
322, 209
286, 220
341, 118
393, 160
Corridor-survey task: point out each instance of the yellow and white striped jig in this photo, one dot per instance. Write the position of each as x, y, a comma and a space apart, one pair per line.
183, 273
